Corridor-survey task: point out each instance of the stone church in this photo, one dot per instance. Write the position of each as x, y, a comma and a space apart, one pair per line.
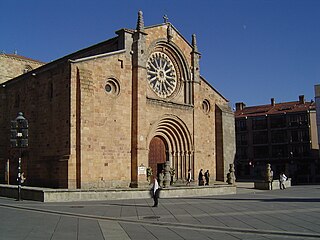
104, 115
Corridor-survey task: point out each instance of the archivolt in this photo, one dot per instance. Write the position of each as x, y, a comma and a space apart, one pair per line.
180, 147
181, 66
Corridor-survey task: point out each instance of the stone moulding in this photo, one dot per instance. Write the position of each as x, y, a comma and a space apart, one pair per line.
97, 56
169, 104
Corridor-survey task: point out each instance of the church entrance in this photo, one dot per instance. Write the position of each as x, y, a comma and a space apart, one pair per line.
157, 155
170, 140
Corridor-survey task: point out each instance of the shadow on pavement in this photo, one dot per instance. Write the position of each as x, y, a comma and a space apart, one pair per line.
259, 199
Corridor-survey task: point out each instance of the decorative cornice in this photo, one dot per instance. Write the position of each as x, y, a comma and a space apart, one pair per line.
169, 104
97, 56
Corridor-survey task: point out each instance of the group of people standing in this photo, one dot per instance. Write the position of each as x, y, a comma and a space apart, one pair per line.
203, 178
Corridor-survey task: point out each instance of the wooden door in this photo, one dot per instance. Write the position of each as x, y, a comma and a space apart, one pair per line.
157, 154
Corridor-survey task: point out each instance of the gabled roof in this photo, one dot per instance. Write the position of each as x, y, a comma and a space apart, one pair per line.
278, 108
20, 57
173, 27
203, 79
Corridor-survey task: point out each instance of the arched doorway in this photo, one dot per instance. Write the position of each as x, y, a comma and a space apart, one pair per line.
157, 155
173, 135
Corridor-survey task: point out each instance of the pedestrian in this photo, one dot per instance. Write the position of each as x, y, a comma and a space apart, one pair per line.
155, 192
282, 179
200, 178
23, 178
189, 177
207, 177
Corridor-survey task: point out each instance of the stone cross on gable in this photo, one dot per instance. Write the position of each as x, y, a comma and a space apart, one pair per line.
165, 18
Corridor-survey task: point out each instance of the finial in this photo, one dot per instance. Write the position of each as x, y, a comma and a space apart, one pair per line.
165, 18
140, 23
169, 33
194, 42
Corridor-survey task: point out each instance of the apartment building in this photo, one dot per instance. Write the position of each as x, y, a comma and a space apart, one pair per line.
282, 134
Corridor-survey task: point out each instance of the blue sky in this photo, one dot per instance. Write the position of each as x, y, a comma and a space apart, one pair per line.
252, 50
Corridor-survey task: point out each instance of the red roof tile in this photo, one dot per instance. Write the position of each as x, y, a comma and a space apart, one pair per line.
278, 108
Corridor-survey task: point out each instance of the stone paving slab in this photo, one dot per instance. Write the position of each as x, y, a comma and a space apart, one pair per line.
250, 214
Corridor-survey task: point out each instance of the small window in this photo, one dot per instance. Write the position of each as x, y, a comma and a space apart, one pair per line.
259, 123
112, 87
27, 68
206, 106
108, 88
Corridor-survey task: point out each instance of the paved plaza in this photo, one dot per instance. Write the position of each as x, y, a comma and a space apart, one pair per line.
293, 213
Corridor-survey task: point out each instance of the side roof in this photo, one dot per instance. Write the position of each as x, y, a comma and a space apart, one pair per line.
279, 108
109, 45
16, 56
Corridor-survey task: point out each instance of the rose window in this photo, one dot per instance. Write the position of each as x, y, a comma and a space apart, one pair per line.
161, 74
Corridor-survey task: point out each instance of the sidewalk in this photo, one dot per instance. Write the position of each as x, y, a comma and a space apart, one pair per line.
250, 214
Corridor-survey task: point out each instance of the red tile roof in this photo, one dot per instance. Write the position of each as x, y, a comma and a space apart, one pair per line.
287, 107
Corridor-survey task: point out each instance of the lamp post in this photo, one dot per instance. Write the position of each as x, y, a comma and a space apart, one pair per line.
19, 139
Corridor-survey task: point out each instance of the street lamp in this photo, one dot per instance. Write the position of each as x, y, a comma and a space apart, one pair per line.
19, 139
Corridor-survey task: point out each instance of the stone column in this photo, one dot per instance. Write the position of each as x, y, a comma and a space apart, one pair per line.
139, 153
179, 164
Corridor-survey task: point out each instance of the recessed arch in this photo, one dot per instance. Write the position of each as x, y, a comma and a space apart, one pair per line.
177, 137
182, 68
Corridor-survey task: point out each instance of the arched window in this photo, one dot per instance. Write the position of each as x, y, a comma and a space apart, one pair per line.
27, 68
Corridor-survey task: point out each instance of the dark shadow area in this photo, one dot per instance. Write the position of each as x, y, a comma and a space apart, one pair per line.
306, 200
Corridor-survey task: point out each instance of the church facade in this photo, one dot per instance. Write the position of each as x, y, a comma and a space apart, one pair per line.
101, 116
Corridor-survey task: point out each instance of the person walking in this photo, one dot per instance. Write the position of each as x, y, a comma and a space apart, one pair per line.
282, 179
207, 177
155, 192
189, 177
200, 178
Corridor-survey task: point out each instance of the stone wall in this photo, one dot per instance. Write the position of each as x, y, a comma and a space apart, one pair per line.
44, 100
229, 140
12, 65
105, 127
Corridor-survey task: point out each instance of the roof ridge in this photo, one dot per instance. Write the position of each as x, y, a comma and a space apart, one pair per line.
21, 57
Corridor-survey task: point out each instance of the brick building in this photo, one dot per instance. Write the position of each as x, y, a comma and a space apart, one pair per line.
282, 134
317, 100
100, 116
